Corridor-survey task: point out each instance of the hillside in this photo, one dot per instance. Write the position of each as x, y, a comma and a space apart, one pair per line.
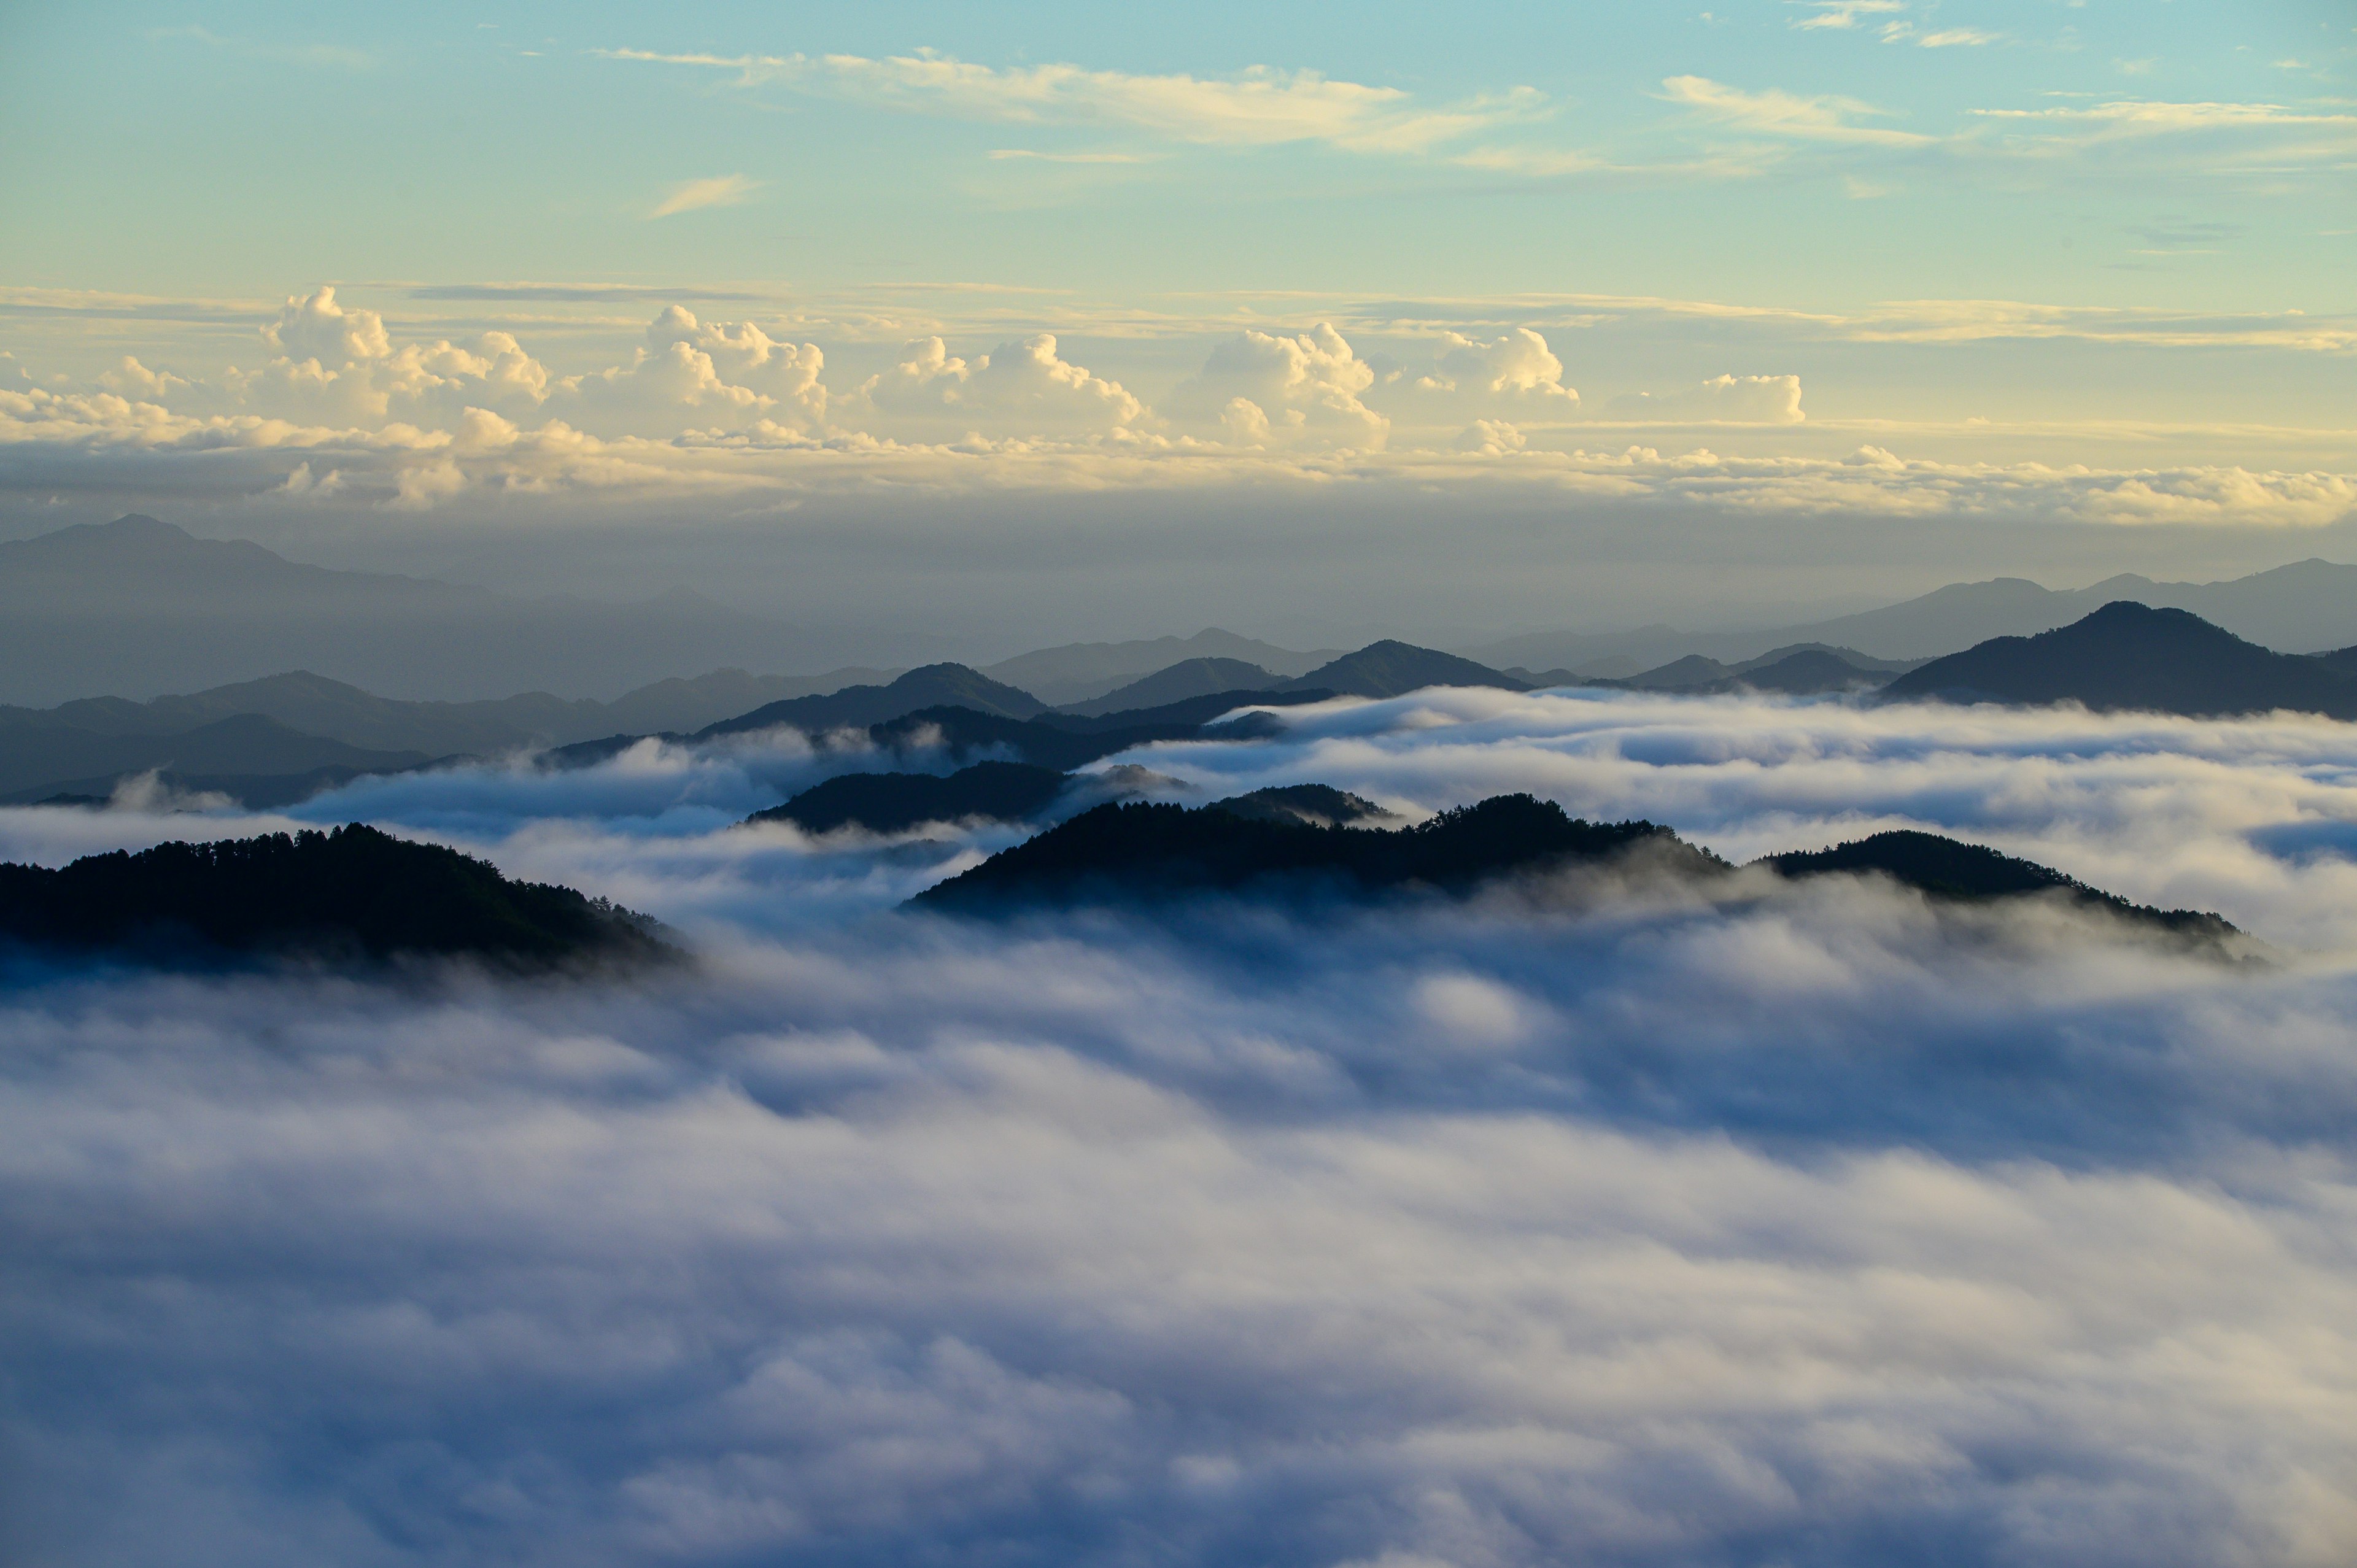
1124, 852
895, 802
1190, 677
2126, 656
1081, 671
856, 707
1392, 668
37, 762
352, 892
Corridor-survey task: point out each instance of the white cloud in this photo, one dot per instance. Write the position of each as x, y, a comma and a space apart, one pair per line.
314, 327
726, 190
721, 374
133, 379
1262, 390
1735, 399
1259, 108
1843, 13
1022, 389
1492, 438
1819, 118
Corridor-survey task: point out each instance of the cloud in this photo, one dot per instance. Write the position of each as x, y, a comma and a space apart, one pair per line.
1734, 400
1258, 389
312, 327
718, 374
1022, 389
1819, 118
1530, 1232
1843, 14
1261, 107
725, 190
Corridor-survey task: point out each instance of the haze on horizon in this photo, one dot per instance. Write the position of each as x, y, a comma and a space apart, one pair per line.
1409, 322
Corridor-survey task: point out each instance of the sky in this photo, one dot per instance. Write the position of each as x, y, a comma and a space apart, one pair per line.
2057, 287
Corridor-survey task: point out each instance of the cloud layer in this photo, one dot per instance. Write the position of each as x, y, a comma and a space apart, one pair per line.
1637, 1230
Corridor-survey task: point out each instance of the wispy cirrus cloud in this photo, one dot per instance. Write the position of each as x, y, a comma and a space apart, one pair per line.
1843, 14
1823, 117
1259, 107
723, 190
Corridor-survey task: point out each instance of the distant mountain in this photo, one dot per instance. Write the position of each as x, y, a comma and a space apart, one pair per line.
1802, 670
317, 705
856, 707
351, 893
136, 607
1189, 678
1080, 672
37, 762
895, 802
1390, 669
2296, 608
2126, 656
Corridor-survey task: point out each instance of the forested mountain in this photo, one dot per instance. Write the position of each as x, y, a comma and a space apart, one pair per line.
352, 892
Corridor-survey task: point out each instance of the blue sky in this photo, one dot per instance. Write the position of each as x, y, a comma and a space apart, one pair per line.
1890, 256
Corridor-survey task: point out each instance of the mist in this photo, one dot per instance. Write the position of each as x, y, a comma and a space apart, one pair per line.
1639, 1224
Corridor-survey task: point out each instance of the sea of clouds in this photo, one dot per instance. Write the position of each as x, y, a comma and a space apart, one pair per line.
1641, 1226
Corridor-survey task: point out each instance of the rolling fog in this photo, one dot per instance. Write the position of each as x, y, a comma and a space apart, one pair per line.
1624, 1224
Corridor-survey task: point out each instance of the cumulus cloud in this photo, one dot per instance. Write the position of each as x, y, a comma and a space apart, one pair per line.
1663, 1228
1022, 389
1732, 400
314, 327
1262, 390
725, 374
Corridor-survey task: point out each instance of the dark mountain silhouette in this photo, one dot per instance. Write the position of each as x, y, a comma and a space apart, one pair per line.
37, 762
1948, 869
352, 892
319, 706
1679, 675
138, 606
1124, 852
1192, 678
1079, 671
2343, 660
895, 802
1390, 669
1317, 805
856, 707
2127, 656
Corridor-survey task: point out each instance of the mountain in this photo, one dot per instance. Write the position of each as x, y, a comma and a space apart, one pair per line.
2127, 656
352, 892
1079, 671
1390, 669
1189, 678
1810, 668
137, 606
856, 707
37, 762
1133, 854
1315, 805
2295, 608
1950, 869
317, 705
895, 802
1126, 853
